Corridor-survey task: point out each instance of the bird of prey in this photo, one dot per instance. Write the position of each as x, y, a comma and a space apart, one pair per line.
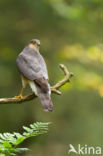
33, 70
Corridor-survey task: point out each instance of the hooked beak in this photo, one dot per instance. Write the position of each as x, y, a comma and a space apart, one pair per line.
38, 44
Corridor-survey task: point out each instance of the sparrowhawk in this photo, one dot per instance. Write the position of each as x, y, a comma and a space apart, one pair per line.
33, 70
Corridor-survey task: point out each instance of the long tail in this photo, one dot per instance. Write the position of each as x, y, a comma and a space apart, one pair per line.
45, 99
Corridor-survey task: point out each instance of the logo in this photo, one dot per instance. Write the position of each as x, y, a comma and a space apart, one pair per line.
84, 150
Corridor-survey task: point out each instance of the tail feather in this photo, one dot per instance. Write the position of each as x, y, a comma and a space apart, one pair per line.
45, 99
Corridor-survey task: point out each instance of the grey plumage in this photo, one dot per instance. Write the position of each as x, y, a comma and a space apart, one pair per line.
45, 99
32, 66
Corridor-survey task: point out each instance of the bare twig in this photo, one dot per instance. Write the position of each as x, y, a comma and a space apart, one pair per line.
54, 89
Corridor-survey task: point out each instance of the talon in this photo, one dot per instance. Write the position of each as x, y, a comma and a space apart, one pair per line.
19, 97
21, 94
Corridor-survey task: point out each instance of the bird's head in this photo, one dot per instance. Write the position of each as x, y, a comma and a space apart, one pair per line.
35, 43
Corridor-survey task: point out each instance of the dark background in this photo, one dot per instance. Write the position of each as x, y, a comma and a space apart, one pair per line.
71, 32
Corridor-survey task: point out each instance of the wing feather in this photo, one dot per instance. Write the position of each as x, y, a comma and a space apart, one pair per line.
43, 83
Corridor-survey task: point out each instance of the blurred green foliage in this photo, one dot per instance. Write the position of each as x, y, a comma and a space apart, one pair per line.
71, 33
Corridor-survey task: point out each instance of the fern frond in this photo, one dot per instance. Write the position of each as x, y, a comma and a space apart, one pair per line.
8, 141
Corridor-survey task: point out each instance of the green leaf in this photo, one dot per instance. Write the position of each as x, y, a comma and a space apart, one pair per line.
2, 137
18, 135
2, 154
8, 141
19, 150
28, 129
6, 144
19, 140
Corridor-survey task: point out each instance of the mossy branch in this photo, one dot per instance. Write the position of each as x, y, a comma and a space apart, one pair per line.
54, 89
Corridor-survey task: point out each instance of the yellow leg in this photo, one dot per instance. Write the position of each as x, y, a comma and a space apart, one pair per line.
21, 94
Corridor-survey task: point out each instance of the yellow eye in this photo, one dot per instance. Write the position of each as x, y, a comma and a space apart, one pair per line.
33, 42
